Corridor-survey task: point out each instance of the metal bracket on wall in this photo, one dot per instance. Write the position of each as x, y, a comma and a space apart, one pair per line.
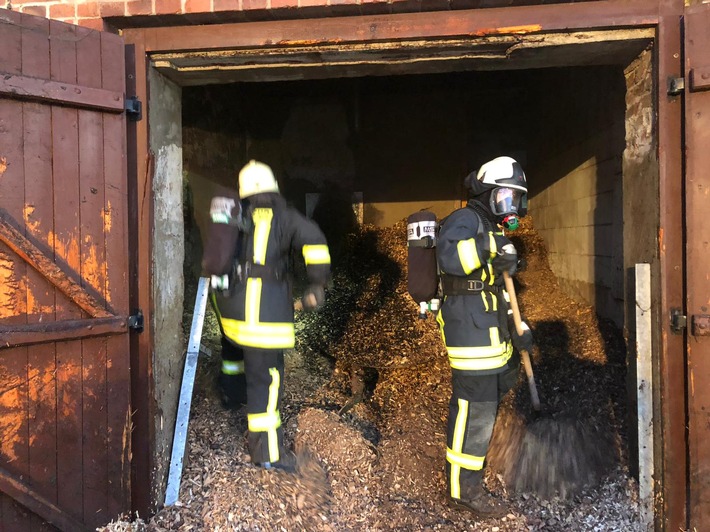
676, 86
679, 321
134, 108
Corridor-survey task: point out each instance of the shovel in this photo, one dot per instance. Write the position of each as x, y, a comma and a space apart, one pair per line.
510, 288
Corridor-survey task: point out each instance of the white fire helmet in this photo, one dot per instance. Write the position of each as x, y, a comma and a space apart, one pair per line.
256, 178
502, 172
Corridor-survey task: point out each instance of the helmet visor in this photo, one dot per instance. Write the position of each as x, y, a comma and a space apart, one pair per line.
505, 200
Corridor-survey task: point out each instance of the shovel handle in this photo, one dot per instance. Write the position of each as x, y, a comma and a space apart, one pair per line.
510, 288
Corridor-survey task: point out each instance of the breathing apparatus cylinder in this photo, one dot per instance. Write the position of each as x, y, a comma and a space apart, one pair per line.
221, 236
422, 280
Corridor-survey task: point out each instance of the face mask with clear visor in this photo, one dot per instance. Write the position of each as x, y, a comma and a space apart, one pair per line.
505, 200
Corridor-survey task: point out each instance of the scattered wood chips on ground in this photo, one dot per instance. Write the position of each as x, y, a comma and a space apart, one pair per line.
379, 466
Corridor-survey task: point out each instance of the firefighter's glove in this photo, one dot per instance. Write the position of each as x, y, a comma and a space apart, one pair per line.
313, 297
524, 342
506, 260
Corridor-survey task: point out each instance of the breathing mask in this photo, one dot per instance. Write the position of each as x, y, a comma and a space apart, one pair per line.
508, 205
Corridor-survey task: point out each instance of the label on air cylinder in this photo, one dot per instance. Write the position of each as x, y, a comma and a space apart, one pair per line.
419, 230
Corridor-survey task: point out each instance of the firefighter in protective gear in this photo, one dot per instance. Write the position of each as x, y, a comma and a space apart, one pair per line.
256, 311
472, 253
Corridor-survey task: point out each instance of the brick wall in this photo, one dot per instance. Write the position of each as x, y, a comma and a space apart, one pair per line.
84, 13
99, 14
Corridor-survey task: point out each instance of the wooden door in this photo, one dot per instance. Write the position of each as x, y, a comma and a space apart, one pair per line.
697, 195
64, 345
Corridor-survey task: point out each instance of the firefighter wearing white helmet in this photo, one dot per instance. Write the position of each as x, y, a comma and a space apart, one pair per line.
472, 253
256, 178
256, 310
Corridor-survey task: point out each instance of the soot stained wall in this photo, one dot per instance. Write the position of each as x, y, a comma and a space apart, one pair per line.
405, 143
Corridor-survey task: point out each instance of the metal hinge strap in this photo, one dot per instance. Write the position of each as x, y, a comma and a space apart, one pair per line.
135, 321
679, 321
676, 86
134, 108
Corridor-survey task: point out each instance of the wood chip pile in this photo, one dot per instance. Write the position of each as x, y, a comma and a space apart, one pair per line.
380, 466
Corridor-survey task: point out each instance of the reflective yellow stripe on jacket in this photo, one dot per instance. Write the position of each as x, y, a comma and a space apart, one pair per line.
479, 358
254, 333
468, 255
316, 254
251, 332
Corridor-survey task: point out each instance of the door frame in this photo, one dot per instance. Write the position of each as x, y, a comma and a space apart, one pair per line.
665, 16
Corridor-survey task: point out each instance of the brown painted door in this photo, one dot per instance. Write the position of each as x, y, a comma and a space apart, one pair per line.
64, 346
697, 191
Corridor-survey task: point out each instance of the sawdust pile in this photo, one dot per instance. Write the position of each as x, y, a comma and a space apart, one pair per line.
380, 465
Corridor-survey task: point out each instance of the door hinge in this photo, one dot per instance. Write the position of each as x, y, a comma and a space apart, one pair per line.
676, 86
679, 321
135, 321
134, 108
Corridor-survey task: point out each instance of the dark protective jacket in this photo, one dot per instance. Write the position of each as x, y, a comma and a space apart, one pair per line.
474, 313
257, 311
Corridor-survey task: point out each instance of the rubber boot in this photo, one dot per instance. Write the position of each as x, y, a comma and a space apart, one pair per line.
480, 502
232, 390
286, 462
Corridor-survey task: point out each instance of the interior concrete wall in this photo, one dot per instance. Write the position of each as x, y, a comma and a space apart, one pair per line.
641, 185
165, 105
641, 193
577, 200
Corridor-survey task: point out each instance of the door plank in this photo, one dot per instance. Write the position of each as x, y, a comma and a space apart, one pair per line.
65, 163
14, 423
93, 275
116, 228
697, 191
39, 223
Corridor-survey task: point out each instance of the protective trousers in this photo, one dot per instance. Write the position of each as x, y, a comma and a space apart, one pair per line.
264, 374
232, 379
472, 414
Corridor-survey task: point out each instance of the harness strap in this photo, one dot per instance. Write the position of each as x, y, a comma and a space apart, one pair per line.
246, 270
461, 286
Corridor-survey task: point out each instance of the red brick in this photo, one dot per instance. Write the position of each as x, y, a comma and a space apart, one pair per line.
168, 7
87, 10
40, 11
312, 3
112, 9
249, 5
278, 4
198, 6
57, 11
343, 2
93, 23
140, 7
226, 5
